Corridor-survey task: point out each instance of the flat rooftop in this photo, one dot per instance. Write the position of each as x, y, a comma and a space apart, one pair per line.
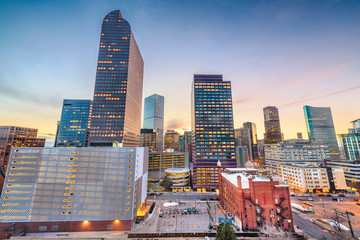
232, 177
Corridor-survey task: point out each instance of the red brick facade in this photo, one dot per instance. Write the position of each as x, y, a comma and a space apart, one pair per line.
264, 202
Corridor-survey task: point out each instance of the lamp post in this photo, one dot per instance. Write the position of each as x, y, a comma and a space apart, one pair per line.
323, 203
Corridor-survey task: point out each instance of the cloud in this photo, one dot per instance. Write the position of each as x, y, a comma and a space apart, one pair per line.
47, 134
176, 124
304, 100
25, 95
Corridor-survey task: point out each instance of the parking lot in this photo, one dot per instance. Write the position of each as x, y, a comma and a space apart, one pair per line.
174, 218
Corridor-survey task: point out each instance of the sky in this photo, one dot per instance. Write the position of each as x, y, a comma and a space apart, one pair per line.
275, 53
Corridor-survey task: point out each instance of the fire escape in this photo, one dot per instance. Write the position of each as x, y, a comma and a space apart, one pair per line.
281, 210
260, 219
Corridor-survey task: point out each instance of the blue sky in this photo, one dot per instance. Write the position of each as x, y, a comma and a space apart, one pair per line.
282, 53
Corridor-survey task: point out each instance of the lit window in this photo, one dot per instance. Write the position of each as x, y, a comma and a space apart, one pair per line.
127, 196
127, 202
127, 208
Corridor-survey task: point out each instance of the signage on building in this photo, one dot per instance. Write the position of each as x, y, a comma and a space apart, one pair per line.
225, 220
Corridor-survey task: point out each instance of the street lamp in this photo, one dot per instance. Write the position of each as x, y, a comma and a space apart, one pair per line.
323, 203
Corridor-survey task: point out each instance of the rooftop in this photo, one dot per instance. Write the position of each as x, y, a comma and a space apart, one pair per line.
232, 177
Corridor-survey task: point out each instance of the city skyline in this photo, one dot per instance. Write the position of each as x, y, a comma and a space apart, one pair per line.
261, 40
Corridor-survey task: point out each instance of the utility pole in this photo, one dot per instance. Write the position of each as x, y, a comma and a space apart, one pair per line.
351, 229
337, 220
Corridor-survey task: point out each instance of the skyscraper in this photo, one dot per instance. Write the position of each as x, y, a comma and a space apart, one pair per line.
272, 125
154, 117
212, 129
253, 136
148, 138
320, 127
172, 139
12, 136
116, 115
351, 142
74, 124
243, 138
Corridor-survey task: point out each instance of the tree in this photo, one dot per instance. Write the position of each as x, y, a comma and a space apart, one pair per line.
271, 232
166, 183
225, 232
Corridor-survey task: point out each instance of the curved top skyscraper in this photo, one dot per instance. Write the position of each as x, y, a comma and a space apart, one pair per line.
116, 113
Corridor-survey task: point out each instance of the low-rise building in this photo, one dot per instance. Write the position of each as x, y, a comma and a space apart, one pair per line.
254, 201
313, 177
294, 151
74, 189
351, 172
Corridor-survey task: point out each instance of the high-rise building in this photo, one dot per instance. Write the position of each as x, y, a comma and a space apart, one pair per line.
243, 138
320, 127
148, 138
154, 117
294, 152
351, 142
182, 143
116, 115
172, 140
351, 171
272, 125
11, 136
212, 129
73, 130
253, 136
74, 189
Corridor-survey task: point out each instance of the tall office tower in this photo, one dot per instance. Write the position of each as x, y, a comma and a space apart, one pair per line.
253, 135
73, 130
182, 143
154, 118
243, 138
212, 129
188, 147
148, 138
11, 136
172, 140
272, 125
320, 127
351, 142
116, 115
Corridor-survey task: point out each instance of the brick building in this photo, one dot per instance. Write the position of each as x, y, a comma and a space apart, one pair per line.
12, 136
254, 200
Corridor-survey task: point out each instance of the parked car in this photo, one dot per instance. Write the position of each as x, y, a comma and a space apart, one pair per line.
203, 199
358, 203
334, 199
342, 195
161, 214
292, 195
328, 195
351, 213
189, 210
321, 195
194, 210
211, 199
309, 199
185, 210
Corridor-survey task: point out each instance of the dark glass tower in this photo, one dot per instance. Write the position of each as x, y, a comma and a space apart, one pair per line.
212, 129
154, 118
320, 127
116, 115
272, 125
253, 135
73, 130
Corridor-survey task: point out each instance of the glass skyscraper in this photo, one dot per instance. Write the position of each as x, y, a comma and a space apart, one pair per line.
320, 127
212, 129
351, 142
272, 125
73, 128
116, 115
154, 117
